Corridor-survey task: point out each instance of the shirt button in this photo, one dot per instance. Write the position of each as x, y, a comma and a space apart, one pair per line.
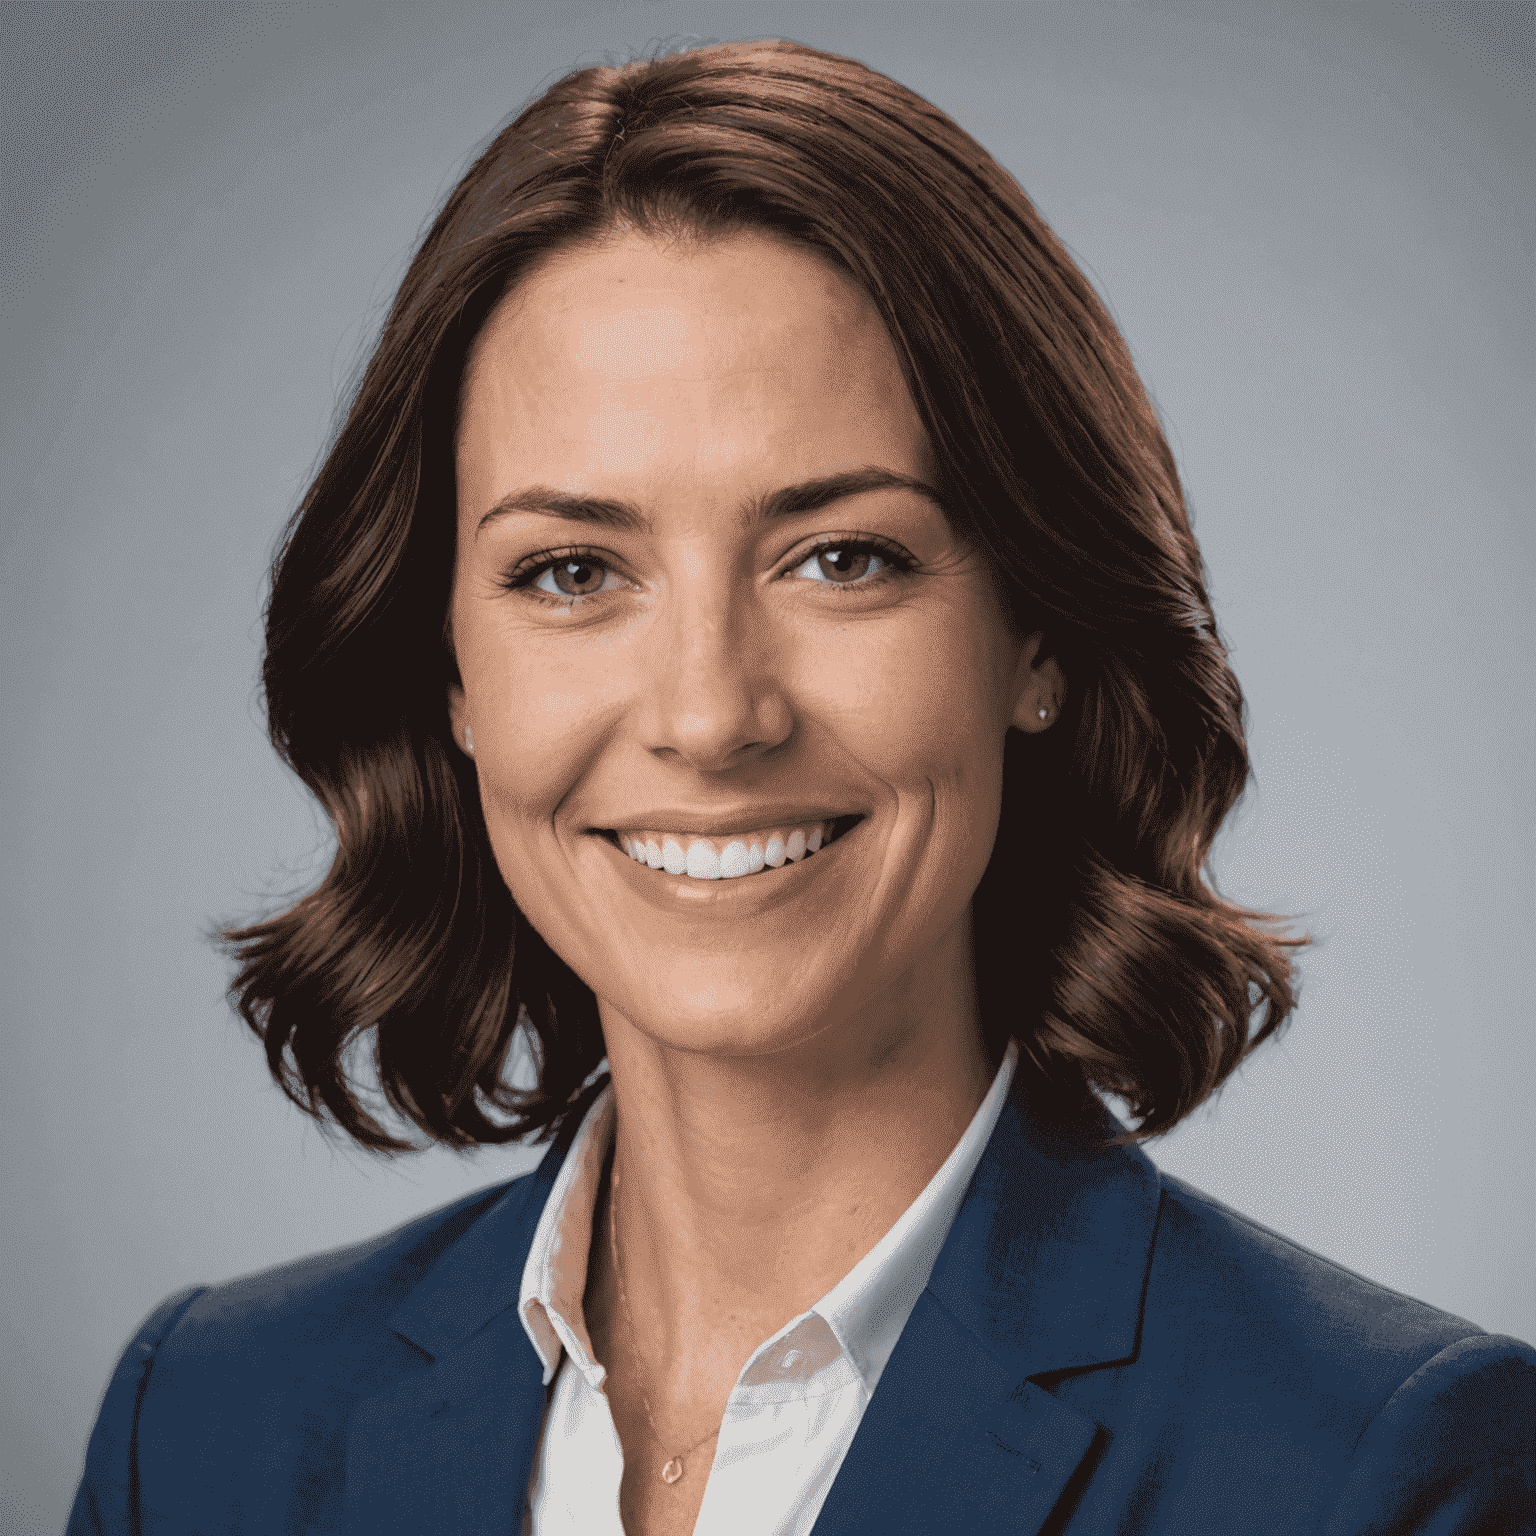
792, 1358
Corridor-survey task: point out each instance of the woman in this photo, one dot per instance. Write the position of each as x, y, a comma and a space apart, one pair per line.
748, 629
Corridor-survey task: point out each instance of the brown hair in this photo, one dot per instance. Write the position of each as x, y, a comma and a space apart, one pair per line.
1111, 958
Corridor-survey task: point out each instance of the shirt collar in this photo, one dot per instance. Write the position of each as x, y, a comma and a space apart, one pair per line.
865, 1311
555, 1275
870, 1305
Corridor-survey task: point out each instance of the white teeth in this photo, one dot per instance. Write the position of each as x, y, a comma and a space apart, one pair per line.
746, 855
703, 861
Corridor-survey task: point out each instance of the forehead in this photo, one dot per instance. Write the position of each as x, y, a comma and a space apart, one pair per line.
631, 356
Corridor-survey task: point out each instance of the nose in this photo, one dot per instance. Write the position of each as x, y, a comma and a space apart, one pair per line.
714, 695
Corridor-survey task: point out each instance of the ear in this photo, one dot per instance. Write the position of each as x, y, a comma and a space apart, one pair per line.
458, 716
1038, 684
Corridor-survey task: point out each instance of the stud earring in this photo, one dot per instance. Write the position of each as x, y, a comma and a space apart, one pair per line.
1044, 713
469, 741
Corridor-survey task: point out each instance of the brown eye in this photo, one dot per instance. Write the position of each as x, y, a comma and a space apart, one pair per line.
854, 564
567, 578
578, 578
844, 564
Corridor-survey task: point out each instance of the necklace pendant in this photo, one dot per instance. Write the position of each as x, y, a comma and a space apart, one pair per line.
673, 1470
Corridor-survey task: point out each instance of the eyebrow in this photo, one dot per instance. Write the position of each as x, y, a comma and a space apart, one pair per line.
787, 501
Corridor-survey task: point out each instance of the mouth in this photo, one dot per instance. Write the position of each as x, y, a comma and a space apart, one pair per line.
733, 856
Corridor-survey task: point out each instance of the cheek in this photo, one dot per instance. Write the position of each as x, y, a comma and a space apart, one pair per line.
529, 760
537, 709
509, 822
942, 731
520, 789
528, 741
923, 704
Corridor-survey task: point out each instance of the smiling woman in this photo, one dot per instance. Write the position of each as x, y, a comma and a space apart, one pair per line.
782, 633
748, 636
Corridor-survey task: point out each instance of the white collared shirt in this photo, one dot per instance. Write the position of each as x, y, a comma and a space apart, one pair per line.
792, 1415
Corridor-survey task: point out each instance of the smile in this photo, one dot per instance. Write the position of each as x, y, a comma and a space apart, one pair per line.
734, 855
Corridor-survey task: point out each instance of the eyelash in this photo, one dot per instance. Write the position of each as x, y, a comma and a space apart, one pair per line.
525, 574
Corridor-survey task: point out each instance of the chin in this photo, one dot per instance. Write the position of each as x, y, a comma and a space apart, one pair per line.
728, 1015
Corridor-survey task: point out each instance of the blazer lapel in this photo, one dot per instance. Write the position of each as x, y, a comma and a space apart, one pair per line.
1043, 1271
951, 1442
449, 1448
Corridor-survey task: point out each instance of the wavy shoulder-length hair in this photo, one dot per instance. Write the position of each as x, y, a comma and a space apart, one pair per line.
1102, 946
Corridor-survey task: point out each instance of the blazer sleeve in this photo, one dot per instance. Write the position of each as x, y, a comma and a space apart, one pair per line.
1452, 1452
107, 1503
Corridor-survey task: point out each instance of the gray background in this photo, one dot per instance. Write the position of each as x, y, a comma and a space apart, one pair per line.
1313, 225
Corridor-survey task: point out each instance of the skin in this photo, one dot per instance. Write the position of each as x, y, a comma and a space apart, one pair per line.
789, 1073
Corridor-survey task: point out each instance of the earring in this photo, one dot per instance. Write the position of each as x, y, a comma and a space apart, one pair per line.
469, 741
1044, 713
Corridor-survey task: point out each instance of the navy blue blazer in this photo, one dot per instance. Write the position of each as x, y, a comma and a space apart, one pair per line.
1101, 1348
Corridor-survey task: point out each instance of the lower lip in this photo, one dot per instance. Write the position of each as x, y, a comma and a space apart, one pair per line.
677, 894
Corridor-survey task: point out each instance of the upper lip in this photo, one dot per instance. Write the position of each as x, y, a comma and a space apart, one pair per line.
716, 823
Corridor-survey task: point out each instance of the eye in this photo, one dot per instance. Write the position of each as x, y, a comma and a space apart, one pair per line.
565, 578
575, 577
852, 562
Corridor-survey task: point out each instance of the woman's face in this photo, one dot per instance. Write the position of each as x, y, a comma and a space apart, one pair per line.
678, 627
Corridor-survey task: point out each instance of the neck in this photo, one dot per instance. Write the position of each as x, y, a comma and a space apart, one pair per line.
750, 1185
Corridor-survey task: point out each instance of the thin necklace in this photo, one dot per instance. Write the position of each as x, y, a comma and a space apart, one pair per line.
672, 1468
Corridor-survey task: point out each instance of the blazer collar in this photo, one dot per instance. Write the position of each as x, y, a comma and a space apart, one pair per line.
481, 1275
1044, 1270
1044, 1265
1047, 1261
450, 1448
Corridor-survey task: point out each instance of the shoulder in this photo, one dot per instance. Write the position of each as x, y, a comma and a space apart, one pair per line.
1265, 1387
327, 1310
370, 1276
1373, 1395
1243, 1283
274, 1359
1239, 1293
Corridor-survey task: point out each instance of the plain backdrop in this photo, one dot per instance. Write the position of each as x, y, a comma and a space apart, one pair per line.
1314, 224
